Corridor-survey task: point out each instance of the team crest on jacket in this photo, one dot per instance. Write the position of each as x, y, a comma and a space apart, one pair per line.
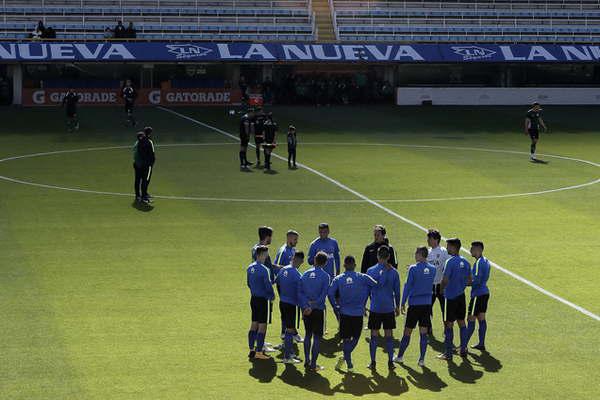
252, 270
349, 281
426, 271
285, 273
312, 275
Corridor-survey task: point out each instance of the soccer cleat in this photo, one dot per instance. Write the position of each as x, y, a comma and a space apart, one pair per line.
282, 336
391, 365
138, 199
421, 363
261, 356
298, 338
291, 361
268, 349
251, 354
306, 365
316, 368
444, 357
478, 347
372, 365
146, 200
350, 368
399, 360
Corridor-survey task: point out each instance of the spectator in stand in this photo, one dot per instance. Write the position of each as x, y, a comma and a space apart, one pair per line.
119, 30
49, 33
108, 33
38, 32
130, 32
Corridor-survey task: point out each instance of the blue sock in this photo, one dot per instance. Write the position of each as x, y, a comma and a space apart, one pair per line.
482, 331
251, 339
389, 346
348, 351
470, 330
449, 338
307, 343
423, 344
403, 345
463, 338
260, 341
373, 347
287, 344
315, 351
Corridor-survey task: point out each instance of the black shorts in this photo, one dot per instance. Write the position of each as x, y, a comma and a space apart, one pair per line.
244, 141
534, 133
350, 326
420, 314
260, 309
258, 141
314, 322
288, 315
478, 304
376, 320
455, 309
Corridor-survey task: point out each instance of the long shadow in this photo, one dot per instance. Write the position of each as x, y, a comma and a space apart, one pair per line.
539, 161
427, 379
437, 345
359, 385
331, 347
310, 381
263, 370
463, 371
487, 361
142, 207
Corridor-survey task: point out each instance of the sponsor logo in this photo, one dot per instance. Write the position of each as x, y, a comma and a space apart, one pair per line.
472, 53
187, 51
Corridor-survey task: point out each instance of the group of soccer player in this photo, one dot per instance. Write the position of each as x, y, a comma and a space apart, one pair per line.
438, 274
260, 125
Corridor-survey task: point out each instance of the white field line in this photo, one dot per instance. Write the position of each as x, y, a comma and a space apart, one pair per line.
400, 217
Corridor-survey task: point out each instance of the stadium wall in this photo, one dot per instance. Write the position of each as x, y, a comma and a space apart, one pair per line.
495, 96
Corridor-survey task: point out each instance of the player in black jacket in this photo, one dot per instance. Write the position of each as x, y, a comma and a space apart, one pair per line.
270, 133
246, 130
145, 149
370, 255
129, 95
70, 103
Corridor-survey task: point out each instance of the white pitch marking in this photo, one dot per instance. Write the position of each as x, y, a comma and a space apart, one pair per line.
402, 218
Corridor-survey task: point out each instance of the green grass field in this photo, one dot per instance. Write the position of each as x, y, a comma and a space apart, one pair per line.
100, 299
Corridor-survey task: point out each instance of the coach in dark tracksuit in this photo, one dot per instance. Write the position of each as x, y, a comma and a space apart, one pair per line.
370, 255
143, 164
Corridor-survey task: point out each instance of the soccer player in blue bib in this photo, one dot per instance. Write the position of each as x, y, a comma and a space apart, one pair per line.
288, 281
457, 276
330, 247
385, 304
261, 291
417, 290
312, 293
348, 295
480, 294
283, 258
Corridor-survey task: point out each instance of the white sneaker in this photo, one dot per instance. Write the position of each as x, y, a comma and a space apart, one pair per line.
298, 338
421, 363
282, 336
278, 347
268, 349
291, 361
398, 360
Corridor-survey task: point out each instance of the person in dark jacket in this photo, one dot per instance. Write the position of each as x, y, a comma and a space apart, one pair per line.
270, 133
143, 163
370, 255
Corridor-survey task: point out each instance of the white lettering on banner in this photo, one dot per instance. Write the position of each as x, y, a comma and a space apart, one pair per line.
120, 51
60, 51
85, 52
39, 97
320, 52
572, 51
408, 51
10, 54
289, 49
508, 54
259, 50
353, 52
154, 97
25, 52
378, 54
198, 97
540, 51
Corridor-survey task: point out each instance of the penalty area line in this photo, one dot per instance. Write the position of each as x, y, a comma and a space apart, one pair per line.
396, 215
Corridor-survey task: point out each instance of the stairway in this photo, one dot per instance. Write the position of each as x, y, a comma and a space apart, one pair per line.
324, 22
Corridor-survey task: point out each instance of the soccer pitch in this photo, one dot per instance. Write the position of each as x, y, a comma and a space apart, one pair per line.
102, 299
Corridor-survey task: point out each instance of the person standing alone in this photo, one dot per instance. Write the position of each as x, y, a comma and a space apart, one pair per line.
143, 163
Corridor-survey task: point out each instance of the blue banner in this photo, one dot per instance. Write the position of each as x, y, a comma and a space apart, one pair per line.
294, 52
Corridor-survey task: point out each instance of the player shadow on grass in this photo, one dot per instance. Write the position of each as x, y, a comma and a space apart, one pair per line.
427, 379
263, 370
358, 384
538, 161
331, 347
310, 381
487, 361
141, 206
463, 371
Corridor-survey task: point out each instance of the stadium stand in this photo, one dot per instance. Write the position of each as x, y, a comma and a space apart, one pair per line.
532, 21
281, 20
